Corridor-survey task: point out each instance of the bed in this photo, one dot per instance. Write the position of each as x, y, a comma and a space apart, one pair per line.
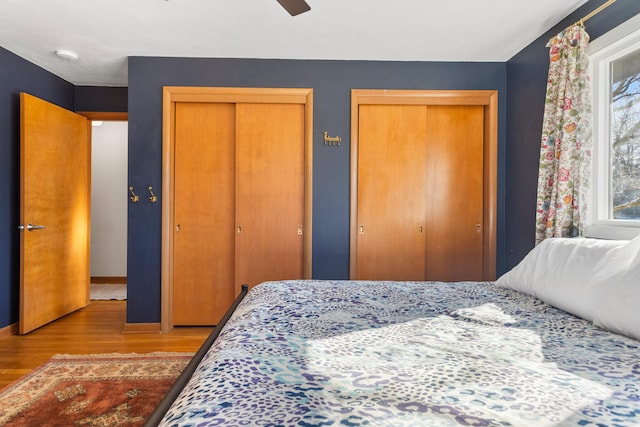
365, 353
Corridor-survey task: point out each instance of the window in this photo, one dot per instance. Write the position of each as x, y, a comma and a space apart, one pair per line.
614, 208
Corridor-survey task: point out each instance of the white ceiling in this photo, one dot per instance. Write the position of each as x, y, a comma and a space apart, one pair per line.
105, 32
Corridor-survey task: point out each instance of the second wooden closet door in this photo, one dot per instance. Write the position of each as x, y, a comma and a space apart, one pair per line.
391, 188
420, 192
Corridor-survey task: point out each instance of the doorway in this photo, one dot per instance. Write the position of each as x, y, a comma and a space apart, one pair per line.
109, 158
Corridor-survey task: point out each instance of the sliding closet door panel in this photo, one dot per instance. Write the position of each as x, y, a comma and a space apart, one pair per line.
203, 268
270, 192
391, 190
455, 192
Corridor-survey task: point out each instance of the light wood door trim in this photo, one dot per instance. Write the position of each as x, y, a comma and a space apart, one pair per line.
175, 94
486, 98
105, 116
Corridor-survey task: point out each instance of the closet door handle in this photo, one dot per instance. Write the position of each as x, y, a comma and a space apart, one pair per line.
420, 229
361, 229
239, 229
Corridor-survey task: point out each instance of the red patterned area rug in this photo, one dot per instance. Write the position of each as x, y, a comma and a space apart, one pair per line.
91, 390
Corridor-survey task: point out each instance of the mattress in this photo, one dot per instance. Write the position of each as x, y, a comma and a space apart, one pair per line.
363, 353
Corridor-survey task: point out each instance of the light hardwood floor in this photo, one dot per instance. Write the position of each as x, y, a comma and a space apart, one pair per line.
96, 328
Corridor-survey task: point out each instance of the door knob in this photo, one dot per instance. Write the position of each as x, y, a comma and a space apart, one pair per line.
31, 227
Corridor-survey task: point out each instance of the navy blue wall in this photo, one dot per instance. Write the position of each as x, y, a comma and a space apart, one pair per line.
17, 75
101, 99
526, 84
331, 82
520, 115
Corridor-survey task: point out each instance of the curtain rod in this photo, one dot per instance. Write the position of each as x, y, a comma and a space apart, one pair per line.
595, 12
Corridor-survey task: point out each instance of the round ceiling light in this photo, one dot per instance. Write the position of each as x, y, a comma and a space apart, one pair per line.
67, 54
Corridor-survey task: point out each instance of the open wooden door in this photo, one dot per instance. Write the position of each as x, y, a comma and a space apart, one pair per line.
55, 171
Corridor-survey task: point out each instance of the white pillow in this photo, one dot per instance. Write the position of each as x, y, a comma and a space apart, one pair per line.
577, 275
619, 310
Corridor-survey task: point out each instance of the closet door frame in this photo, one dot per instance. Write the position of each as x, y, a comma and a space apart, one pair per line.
176, 94
486, 98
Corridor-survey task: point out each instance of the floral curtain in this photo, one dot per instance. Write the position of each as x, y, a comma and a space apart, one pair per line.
565, 152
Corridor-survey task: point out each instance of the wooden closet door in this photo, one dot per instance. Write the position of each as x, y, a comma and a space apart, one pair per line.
270, 192
203, 268
391, 190
455, 187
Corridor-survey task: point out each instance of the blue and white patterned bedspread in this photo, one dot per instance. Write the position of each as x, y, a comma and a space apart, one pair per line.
358, 353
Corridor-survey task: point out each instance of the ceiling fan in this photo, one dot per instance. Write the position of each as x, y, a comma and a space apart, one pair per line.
295, 7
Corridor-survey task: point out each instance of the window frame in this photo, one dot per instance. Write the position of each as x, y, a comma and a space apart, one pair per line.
614, 44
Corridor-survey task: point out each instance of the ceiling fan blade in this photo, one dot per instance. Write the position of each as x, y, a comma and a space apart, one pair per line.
295, 7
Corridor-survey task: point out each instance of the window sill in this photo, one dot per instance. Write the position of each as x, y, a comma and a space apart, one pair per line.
611, 231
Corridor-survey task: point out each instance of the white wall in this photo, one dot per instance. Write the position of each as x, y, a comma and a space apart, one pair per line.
109, 200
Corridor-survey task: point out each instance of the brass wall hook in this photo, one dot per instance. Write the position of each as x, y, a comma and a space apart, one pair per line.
152, 198
331, 140
134, 197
